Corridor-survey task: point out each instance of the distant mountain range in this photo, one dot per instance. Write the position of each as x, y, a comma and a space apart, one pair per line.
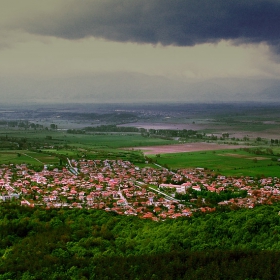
135, 87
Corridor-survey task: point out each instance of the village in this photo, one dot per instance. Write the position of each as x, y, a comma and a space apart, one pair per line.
114, 185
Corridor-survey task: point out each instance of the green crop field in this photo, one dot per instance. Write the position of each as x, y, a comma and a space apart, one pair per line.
27, 157
112, 140
226, 162
98, 153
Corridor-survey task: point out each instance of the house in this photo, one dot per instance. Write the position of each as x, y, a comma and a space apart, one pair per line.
121, 202
196, 188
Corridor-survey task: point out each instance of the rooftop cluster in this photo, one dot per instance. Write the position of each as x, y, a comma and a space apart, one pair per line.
120, 186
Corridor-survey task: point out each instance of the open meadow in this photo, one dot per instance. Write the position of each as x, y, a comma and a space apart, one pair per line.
232, 162
27, 157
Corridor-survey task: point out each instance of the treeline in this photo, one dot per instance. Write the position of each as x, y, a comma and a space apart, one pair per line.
19, 143
274, 141
112, 128
104, 128
90, 244
260, 151
160, 133
145, 132
21, 124
13, 143
185, 133
132, 156
34, 143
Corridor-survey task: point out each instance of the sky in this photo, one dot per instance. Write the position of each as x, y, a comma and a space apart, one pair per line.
129, 51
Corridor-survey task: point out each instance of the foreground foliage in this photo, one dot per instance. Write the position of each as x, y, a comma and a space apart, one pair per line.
90, 244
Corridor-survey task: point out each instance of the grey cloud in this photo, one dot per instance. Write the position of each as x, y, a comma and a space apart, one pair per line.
177, 22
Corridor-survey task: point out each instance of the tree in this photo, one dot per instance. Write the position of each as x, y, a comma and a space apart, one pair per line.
53, 126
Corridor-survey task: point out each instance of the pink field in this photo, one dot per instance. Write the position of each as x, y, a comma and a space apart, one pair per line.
189, 147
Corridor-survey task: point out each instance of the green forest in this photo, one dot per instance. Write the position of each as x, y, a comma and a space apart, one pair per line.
39, 243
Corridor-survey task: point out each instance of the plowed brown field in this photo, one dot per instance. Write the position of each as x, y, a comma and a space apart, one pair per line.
189, 147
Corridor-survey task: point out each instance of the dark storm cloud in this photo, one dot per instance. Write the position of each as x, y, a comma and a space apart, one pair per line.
176, 22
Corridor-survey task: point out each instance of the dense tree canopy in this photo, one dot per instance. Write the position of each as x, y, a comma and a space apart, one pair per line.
73, 243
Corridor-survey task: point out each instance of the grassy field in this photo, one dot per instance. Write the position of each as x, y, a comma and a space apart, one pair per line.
112, 140
98, 153
227, 162
27, 157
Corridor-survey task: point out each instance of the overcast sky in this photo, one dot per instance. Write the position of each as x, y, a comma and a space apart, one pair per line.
139, 50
